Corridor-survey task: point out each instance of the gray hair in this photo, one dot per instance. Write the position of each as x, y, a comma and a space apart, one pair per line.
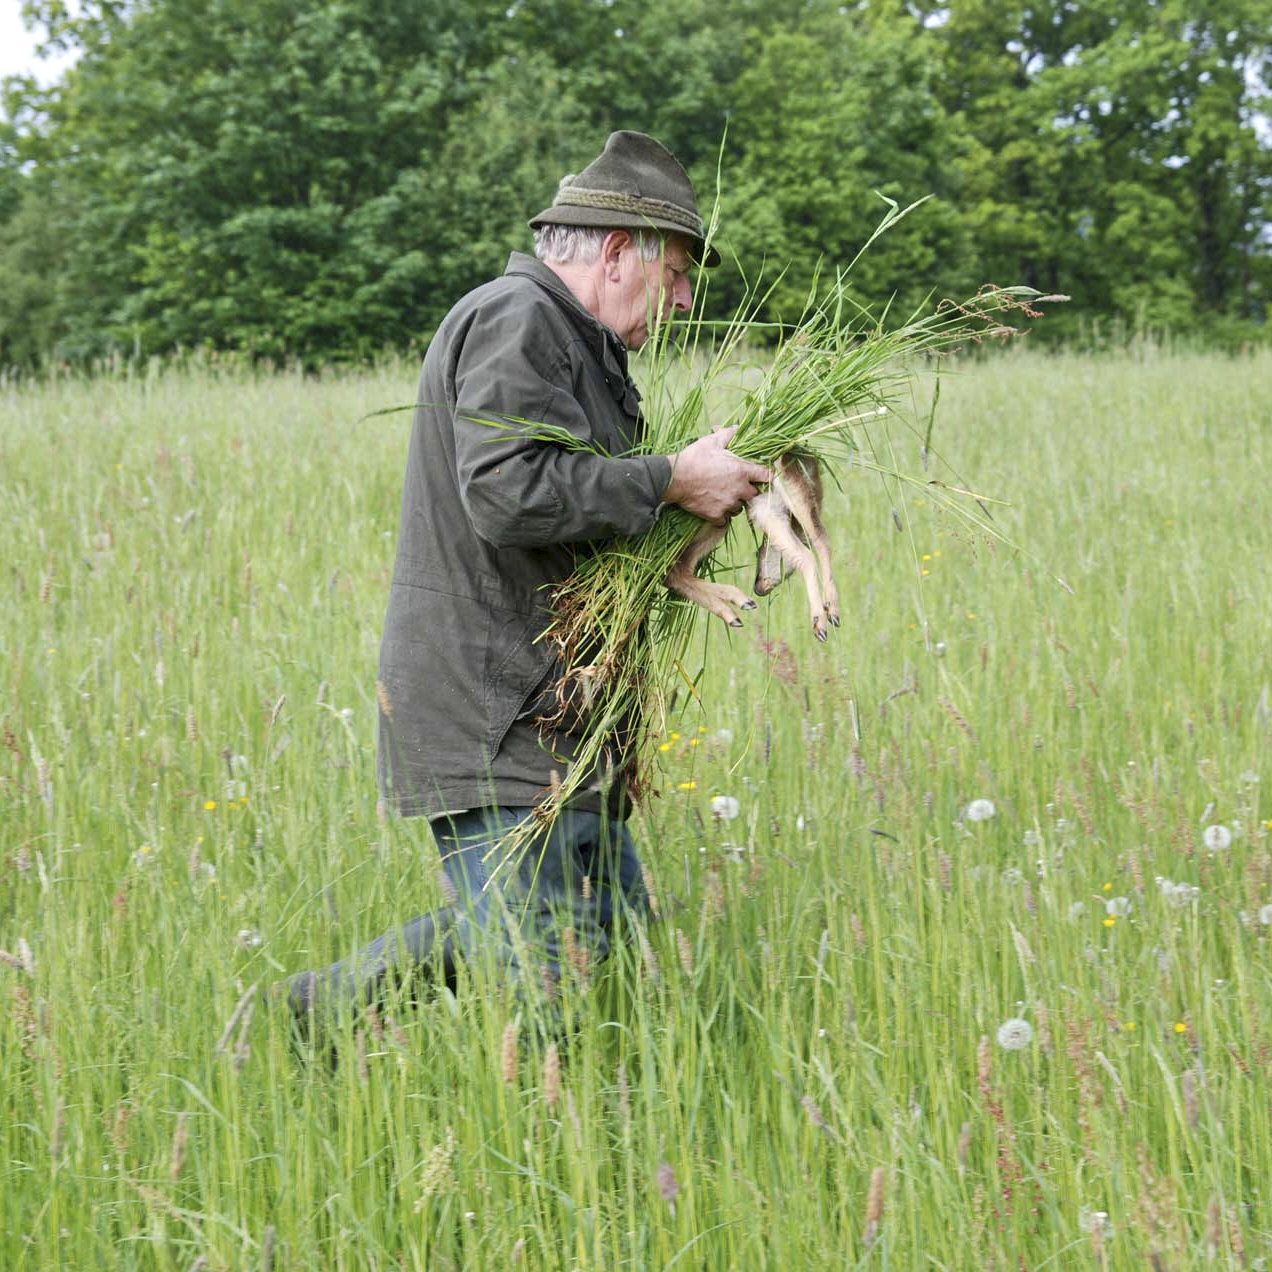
581, 245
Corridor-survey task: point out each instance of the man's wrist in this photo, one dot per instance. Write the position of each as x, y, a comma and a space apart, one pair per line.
670, 492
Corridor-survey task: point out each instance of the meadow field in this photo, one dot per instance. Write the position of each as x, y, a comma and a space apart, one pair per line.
963, 951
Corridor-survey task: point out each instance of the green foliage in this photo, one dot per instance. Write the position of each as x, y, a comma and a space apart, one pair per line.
321, 181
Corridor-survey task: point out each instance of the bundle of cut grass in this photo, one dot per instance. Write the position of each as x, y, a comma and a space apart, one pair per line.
619, 634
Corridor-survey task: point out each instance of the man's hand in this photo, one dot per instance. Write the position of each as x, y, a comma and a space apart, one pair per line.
710, 481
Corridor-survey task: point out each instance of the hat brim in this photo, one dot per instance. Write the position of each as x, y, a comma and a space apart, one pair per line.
608, 219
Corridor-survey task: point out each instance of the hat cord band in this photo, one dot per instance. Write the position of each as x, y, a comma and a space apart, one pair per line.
637, 205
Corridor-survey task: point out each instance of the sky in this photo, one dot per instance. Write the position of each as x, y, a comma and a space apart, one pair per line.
17, 47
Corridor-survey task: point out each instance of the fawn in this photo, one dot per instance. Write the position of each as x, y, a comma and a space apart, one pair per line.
788, 516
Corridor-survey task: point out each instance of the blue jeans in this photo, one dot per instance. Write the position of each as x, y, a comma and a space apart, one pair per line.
583, 876
560, 898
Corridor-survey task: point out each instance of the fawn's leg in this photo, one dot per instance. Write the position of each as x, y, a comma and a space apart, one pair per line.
772, 517
802, 491
717, 598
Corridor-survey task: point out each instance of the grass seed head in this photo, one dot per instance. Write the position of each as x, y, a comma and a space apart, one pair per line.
874, 1205
437, 1175
624, 1095
1214, 1227
180, 1146
508, 1052
984, 1061
813, 1109
551, 1076
684, 952
1192, 1104
668, 1184
651, 892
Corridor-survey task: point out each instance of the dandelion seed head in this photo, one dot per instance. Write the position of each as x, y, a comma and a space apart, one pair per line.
979, 810
1217, 838
1118, 907
1077, 909
1095, 1221
1015, 1034
725, 807
1265, 915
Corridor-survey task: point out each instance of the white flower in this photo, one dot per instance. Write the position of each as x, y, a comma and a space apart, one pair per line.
1217, 838
1118, 906
1095, 1221
1077, 909
723, 737
1250, 777
346, 714
800, 823
1012, 877
725, 807
979, 810
1015, 1034
1182, 894
1032, 839
247, 939
1265, 915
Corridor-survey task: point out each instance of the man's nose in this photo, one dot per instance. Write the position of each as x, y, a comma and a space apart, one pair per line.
682, 295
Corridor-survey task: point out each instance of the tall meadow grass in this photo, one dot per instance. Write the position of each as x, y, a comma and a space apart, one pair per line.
985, 801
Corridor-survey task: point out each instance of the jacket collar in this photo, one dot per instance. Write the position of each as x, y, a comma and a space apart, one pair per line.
604, 340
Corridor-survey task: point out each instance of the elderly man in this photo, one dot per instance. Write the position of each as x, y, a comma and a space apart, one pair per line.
493, 518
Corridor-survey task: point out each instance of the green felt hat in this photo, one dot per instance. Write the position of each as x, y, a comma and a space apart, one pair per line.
636, 183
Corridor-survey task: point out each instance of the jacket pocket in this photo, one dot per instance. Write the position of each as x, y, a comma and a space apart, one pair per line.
518, 671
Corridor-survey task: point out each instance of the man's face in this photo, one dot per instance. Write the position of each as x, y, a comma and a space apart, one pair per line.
648, 292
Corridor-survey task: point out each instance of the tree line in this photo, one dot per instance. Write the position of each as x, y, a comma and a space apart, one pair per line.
320, 181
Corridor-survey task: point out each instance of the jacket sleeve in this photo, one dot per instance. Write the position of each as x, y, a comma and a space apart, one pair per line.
523, 492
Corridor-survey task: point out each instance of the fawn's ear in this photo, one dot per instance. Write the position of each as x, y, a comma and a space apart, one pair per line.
769, 567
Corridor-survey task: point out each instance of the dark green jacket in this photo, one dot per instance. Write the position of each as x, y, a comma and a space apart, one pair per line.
490, 521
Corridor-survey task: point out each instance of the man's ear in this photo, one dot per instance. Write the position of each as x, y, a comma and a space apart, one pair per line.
612, 247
